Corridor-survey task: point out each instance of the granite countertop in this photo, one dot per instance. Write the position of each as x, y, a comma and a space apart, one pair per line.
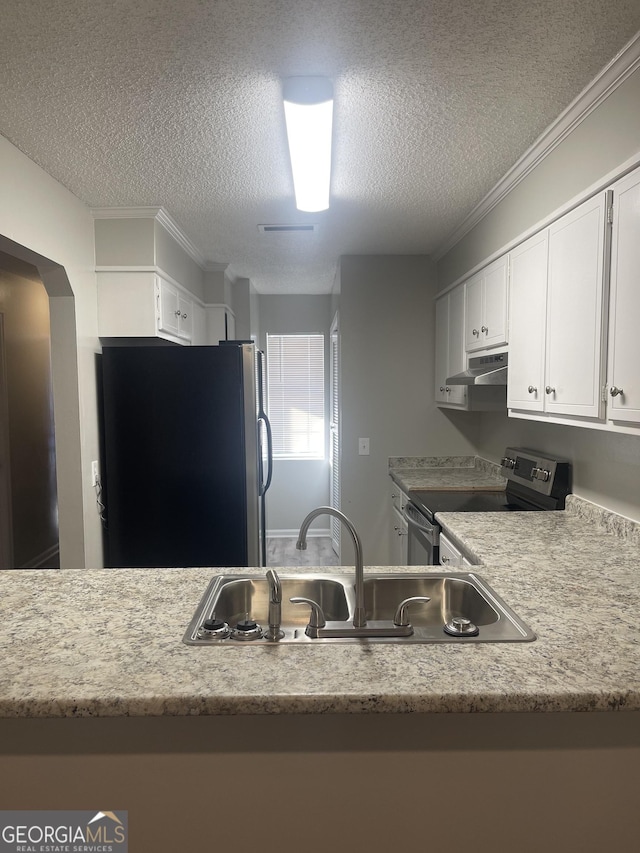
445, 472
109, 642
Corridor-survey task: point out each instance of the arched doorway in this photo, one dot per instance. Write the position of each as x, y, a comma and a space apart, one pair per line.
41, 520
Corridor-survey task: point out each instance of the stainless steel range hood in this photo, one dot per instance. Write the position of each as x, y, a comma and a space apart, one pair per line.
483, 370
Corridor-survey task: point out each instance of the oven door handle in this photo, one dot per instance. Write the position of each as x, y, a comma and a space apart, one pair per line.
422, 523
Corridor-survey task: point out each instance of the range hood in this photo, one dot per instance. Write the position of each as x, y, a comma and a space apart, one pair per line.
483, 370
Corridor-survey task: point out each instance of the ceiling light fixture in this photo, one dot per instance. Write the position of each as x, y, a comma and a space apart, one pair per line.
308, 110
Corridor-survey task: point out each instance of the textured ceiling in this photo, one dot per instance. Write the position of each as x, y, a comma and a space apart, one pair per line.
176, 103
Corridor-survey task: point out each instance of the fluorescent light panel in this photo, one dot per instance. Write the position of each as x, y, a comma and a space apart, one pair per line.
308, 110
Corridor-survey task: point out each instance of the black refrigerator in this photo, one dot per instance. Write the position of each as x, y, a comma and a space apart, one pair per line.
186, 452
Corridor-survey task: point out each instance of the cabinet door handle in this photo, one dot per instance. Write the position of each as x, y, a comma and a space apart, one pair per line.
444, 559
485, 329
616, 391
532, 389
550, 390
184, 316
476, 332
447, 389
442, 387
177, 313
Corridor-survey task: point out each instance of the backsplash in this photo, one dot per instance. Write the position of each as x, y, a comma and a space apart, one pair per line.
477, 462
619, 525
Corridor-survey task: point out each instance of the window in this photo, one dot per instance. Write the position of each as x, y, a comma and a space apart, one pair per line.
295, 395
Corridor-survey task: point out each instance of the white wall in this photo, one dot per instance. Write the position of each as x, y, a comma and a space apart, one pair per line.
606, 465
298, 486
53, 230
387, 387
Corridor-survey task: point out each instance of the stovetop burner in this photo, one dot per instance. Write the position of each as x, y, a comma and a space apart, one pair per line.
535, 482
477, 500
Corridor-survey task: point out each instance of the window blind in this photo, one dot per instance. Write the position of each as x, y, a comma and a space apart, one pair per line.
295, 395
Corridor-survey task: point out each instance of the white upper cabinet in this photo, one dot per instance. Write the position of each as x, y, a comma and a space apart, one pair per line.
557, 310
450, 354
527, 321
144, 305
575, 347
623, 374
486, 300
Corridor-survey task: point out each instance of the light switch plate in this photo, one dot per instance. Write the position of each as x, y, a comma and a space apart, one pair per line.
363, 446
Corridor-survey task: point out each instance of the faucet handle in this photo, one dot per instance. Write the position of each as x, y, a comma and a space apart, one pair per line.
316, 618
401, 619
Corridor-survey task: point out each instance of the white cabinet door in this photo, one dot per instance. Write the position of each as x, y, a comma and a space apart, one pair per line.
185, 317
473, 312
527, 321
457, 359
449, 554
575, 311
442, 348
486, 300
399, 534
624, 330
493, 331
450, 355
168, 313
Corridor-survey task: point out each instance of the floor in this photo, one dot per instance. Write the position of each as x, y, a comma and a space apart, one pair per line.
283, 552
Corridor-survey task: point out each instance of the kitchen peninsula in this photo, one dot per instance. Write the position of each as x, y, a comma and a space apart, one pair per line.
537, 743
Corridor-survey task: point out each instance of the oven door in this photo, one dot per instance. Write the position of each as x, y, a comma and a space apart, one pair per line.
423, 538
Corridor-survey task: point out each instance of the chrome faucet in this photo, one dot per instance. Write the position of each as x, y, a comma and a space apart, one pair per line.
359, 617
274, 631
318, 626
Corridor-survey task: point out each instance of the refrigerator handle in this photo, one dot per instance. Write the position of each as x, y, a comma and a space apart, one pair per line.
264, 486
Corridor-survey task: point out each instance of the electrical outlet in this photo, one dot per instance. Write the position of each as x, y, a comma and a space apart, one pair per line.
95, 474
363, 446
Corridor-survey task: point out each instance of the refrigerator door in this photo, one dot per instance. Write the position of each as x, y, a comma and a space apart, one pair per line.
181, 456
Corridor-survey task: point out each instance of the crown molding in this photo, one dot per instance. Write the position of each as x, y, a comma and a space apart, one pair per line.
607, 81
168, 223
125, 212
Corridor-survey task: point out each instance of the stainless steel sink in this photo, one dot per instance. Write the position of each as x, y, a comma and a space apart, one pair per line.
456, 599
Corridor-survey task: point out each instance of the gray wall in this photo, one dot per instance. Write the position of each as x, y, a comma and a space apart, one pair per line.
172, 259
387, 387
43, 223
145, 242
607, 137
298, 486
25, 306
125, 242
606, 465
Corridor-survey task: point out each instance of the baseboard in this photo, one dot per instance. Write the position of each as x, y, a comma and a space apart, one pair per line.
40, 560
312, 533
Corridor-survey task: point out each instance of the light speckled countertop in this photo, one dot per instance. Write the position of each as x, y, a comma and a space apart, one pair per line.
445, 472
108, 643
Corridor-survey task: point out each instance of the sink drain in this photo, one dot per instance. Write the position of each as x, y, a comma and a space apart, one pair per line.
247, 629
213, 629
460, 626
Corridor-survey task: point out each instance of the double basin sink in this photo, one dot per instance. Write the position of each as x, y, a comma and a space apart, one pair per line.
463, 600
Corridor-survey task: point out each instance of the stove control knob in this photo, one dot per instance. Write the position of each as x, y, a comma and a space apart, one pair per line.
541, 474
